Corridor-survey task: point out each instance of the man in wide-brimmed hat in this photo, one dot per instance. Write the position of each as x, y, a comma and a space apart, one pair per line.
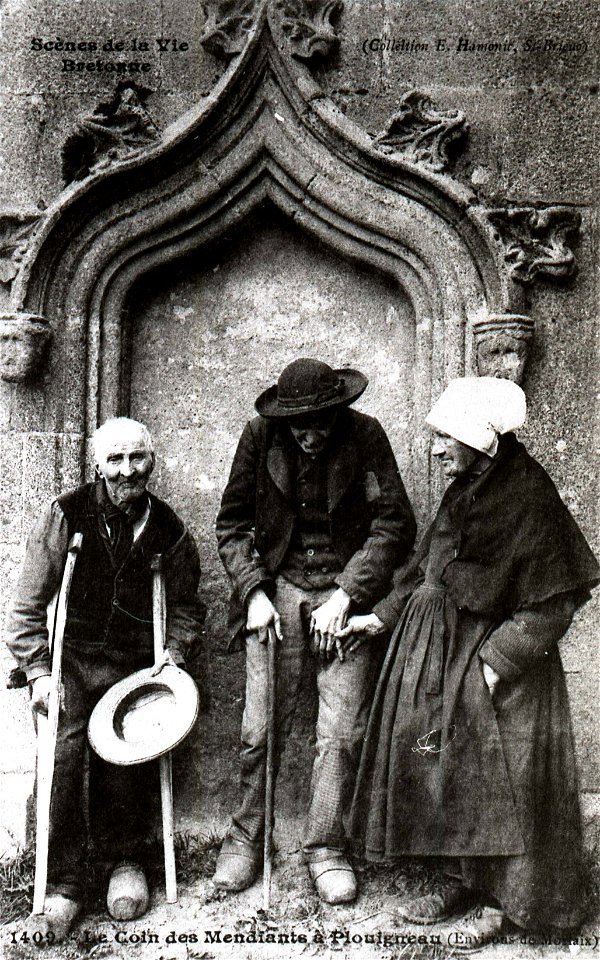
312, 521
108, 636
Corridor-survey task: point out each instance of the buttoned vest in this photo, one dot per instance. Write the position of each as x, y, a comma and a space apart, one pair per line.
110, 607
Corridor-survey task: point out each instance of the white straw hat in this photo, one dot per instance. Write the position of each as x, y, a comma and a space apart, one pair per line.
144, 716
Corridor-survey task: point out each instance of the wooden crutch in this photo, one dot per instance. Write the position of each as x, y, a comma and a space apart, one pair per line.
159, 618
270, 771
47, 732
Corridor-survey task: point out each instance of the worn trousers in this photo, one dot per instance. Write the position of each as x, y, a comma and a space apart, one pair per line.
120, 798
344, 698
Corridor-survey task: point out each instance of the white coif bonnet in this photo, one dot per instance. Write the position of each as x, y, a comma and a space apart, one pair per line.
476, 410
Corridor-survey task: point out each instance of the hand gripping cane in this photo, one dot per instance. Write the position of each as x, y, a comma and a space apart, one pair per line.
47, 731
159, 617
270, 771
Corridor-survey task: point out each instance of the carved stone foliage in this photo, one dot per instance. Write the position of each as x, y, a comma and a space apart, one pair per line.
502, 344
312, 163
422, 132
535, 241
15, 229
310, 26
115, 130
228, 23
24, 340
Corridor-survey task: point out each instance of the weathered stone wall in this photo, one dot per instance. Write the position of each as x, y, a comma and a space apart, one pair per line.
270, 293
533, 114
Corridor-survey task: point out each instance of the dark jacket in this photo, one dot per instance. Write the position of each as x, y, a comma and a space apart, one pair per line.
372, 525
516, 547
110, 607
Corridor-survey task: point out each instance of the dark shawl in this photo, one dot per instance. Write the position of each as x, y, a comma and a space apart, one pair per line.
498, 787
517, 542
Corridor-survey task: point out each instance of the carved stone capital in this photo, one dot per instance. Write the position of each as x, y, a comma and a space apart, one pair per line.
310, 26
24, 340
115, 130
422, 132
15, 229
535, 241
227, 26
502, 344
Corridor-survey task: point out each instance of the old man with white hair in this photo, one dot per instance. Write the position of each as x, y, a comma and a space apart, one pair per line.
108, 636
469, 752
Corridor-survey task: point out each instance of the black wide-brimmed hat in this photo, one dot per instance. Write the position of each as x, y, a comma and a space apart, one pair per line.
308, 386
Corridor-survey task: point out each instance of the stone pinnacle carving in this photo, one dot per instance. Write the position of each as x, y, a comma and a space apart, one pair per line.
502, 344
535, 241
115, 130
310, 26
228, 23
422, 132
15, 228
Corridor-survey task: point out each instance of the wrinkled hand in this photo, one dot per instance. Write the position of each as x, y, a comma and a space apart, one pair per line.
491, 677
325, 622
358, 629
165, 661
262, 615
40, 694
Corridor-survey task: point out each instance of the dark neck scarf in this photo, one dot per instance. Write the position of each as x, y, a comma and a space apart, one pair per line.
119, 522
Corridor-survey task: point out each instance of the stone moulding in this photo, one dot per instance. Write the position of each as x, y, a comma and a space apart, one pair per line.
24, 340
536, 241
227, 26
15, 230
423, 132
310, 27
267, 135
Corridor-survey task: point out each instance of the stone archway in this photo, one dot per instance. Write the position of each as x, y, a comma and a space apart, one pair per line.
266, 137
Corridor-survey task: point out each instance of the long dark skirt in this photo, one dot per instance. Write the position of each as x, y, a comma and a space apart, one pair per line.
491, 784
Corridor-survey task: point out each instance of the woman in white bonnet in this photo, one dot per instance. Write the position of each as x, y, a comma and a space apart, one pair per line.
469, 753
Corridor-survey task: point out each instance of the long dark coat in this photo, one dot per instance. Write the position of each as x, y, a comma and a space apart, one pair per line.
371, 522
448, 770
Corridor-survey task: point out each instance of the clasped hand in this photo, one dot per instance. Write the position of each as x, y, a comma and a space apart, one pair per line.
329, 624
326, 622
359, 629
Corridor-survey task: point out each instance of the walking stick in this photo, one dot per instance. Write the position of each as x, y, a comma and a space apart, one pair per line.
159, 617
270, 778
47, 732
